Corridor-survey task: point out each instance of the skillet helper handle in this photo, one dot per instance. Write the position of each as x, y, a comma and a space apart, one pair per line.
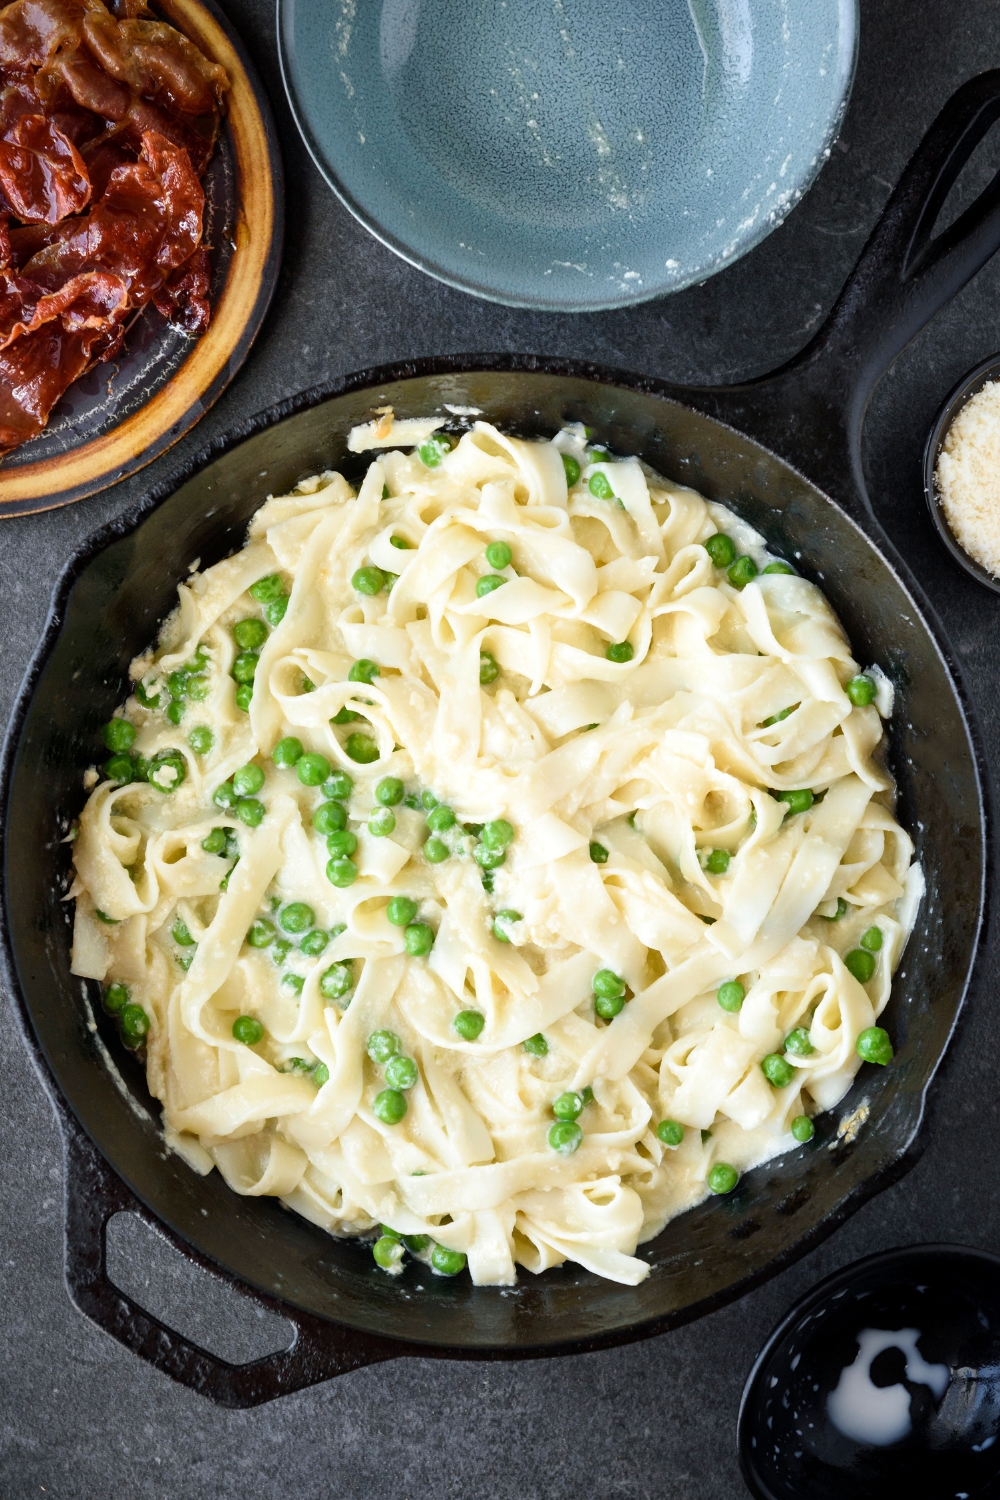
319, 1351
810, 411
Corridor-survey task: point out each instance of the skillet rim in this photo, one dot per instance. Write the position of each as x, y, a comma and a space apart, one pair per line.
128, 522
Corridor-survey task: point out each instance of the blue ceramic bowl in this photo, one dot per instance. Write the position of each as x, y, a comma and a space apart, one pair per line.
569, 154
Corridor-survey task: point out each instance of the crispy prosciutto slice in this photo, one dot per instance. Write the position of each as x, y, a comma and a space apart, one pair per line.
39, 368
41, 172
183, 298
95, 299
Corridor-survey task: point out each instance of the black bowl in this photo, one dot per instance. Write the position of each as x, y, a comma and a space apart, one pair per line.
970, 385
883, 1380
108, 607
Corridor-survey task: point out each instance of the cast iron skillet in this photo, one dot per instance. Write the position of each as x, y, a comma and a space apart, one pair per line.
108, 606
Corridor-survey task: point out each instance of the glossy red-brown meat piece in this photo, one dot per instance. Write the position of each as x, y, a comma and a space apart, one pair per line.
37, 370
31, 30
41, 172
183, 298
157, 61
93, 300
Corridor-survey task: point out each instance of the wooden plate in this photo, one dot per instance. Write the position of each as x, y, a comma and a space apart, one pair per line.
123, 414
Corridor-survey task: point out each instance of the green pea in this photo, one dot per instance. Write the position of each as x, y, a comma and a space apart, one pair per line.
175, 711
401, 1073
345, 716
338, 785
177, 683
232, 843
797, 1042
469, 1024
287, 751
321, 1074
488, 669
261, 932
381, 822
497, 834
198, 687
314, 942
498, 555
440, 819
250, 811
135, 1024
249, 635
363, 670
387, 1252
148, 700
245, 666
717, 862
873, 1045
609, 1006
102, 916
428, 801
418, 939
779, 567
361, 748
341, 872
722, 1178
608, 985
572, 469
401, 910
600, 486
116, 997
721, 549
872, 939
599, 454
622, 652
840, 913
598, 854
276, 610
536, 1046
181, 933
803, 1128
433, 450
436, 851
201, 739
670, 1132
488, 859
166, 771
861, 690
567, 1106
587, 1095
447, 1262
389, 791
400, 542
368, 581
416, 1242
244, 696
777, 1070
488, 583
312, 769
798, 801
330, 817
565, 1136
502, 923
215, 842
730, 995
248, 1029
118, 735
778, 718
336, 981
119, 768
247, 780
266, 590
293, 982
280, 950
341, 844
390, 1106
742, 572
861, 964
297, 917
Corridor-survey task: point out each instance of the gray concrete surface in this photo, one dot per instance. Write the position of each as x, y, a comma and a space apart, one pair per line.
82, 1419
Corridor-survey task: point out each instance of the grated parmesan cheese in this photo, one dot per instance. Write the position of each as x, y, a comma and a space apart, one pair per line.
968, 477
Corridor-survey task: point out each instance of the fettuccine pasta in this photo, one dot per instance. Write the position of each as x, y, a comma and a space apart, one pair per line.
500, 855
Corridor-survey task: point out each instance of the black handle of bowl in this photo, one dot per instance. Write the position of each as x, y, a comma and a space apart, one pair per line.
811, 410
319, 1350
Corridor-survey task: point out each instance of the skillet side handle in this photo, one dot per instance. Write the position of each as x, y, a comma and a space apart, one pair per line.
319, 1350
811, 410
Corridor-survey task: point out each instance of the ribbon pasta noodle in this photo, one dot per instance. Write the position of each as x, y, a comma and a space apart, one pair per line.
485, 857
